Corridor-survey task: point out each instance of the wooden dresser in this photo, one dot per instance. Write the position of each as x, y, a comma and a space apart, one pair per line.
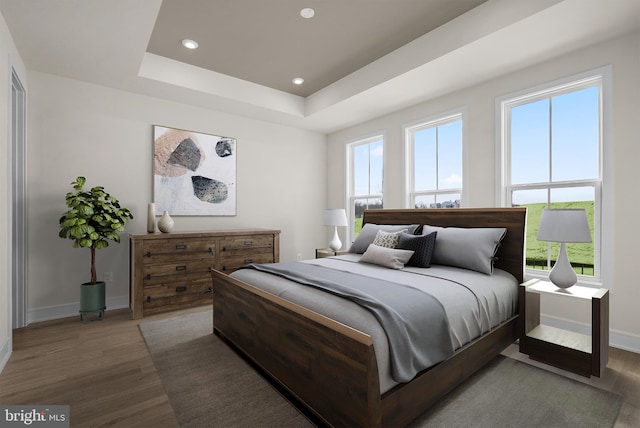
172, 270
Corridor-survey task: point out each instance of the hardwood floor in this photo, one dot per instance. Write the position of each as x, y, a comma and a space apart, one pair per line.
103, 371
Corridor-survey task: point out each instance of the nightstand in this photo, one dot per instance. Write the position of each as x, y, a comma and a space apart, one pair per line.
327, 252
583, 354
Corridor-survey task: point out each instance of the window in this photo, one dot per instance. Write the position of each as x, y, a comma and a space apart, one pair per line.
552, 154
434, 163
366, 179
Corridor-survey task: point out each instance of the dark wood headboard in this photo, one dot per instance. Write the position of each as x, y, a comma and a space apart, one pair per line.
510, 255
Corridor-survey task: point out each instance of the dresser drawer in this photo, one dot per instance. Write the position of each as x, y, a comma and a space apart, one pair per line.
171, 250
176, 272
168, 296
188, 286
246, 245
229, 264
173, 270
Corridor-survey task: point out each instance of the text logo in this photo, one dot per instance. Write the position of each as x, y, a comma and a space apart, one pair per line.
34, 416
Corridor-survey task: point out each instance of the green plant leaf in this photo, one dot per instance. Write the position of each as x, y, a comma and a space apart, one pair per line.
78, 184
93, 219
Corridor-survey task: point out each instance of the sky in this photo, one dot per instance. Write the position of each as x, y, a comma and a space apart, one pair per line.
573, 141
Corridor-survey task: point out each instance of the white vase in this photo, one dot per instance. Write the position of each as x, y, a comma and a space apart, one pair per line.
151, 217
165, 224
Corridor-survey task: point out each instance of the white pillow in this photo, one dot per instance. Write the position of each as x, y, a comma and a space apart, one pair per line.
387, 257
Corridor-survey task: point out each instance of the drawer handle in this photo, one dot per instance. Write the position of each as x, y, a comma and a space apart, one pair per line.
181, 267
247, 261
181, 288
181, 246
248, 242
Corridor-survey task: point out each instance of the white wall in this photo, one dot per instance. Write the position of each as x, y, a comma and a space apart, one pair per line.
9, 59
76, 128
480, 177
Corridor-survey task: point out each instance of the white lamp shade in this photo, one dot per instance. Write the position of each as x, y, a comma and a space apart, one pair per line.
335, 217
564, 225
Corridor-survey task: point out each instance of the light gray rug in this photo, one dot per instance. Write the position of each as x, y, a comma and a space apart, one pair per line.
209, 385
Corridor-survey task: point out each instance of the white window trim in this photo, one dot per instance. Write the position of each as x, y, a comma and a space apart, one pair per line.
349, 167
429, 122
605, 214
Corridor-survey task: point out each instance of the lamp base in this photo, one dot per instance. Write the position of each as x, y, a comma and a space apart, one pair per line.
562, 275
335, 244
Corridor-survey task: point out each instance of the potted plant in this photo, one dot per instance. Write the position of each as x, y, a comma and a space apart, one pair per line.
93, 219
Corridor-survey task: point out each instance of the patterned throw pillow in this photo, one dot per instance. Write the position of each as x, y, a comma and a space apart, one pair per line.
422, 245
387, 239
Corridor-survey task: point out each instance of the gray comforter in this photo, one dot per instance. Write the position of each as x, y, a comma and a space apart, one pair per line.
483, 302
403, 312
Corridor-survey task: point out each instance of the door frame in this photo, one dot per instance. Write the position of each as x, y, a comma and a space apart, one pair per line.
18, 191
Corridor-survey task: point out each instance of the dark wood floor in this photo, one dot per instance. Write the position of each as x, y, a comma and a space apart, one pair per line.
103, 371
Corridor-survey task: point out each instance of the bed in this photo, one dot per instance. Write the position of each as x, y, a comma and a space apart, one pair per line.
331, 367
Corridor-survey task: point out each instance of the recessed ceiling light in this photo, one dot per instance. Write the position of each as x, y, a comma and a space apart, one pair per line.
190, 44
298, 80
307, 12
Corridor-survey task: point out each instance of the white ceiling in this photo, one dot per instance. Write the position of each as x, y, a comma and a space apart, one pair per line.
110, 43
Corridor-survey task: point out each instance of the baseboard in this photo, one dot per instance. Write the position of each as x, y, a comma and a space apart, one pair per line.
617, 339
5, 353
70, 310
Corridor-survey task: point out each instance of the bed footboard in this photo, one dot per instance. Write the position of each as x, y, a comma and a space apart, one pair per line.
328, 366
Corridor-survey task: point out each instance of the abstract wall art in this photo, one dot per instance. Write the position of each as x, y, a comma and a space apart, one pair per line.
193, 173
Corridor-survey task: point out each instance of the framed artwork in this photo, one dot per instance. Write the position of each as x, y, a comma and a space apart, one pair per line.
193, 173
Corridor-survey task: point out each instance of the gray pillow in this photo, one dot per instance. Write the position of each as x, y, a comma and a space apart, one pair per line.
387, 257
369, 231
473, 248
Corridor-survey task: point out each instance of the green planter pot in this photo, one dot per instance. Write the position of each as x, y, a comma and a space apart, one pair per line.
92, 299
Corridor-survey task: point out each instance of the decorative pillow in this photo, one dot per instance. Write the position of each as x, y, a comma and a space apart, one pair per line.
387, 239
387, 257
473, 248
369, 231
422, 245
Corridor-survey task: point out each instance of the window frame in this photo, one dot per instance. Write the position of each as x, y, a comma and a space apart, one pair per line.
350, 182
601, 78
408, 133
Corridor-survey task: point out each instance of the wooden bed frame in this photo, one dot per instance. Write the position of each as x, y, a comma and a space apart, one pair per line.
331, 368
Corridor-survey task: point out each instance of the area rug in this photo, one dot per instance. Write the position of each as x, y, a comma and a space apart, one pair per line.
209, 385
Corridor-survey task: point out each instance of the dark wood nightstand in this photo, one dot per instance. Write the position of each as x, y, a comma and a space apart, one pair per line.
585, 355
327, 252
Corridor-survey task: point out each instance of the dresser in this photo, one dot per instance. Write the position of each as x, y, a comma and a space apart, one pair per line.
173, 270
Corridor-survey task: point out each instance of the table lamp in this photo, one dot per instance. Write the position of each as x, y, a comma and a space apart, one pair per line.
335, 217
563, 225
